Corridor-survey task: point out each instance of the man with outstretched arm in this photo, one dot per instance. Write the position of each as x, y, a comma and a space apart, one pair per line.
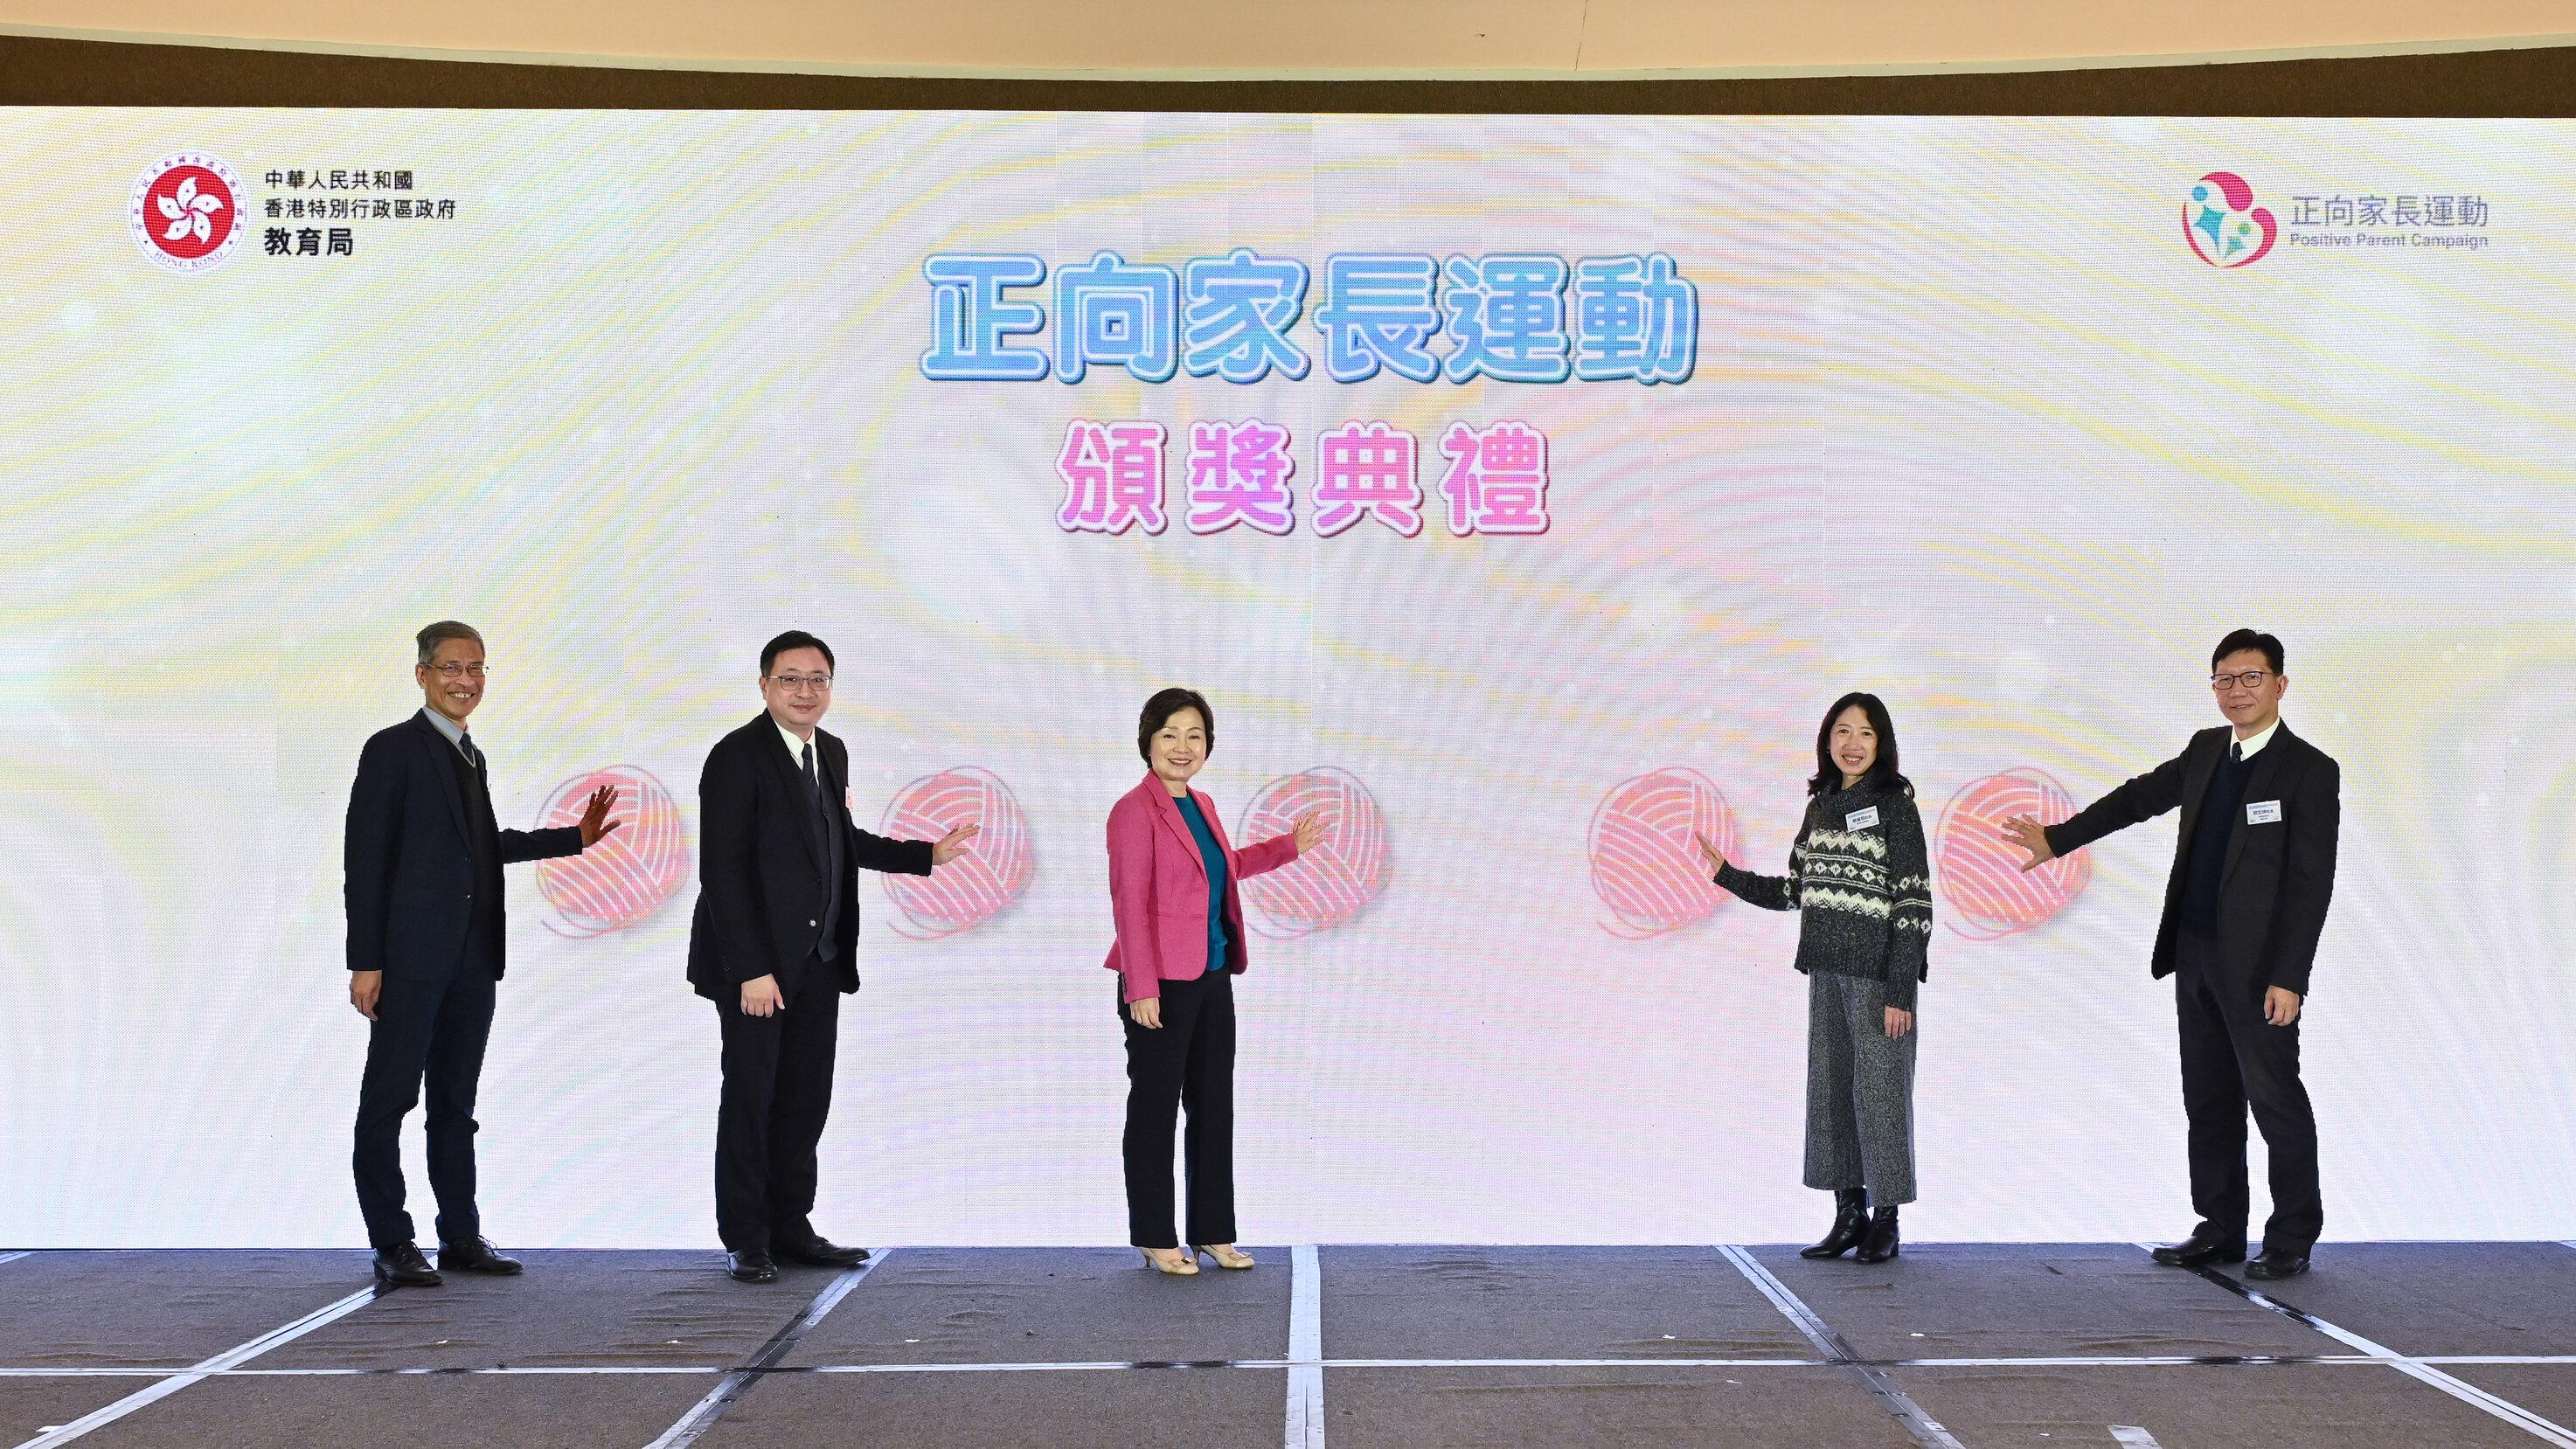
775, 946
2252, 875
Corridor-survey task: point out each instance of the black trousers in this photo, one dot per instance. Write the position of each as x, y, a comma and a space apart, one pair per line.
769, 1121
1188, 1062
433, 1027
2233, 1059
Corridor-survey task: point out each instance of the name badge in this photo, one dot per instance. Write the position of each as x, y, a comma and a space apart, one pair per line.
2262, 812
1864, 819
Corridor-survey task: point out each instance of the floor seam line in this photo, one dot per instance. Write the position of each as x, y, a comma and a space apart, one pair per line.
204, 1369
1305, 1418
739, 1380
2422, 1372
1925, 1430
2353, 1360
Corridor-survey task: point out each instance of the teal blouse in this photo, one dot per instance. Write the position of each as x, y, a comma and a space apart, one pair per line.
1214, 855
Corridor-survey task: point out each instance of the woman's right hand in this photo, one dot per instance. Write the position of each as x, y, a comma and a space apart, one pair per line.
1708, 852
1147, 1012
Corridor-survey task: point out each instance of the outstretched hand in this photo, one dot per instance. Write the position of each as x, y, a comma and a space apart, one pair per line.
2030, 835
1309, 829
952, 845
1708, 852
595, 823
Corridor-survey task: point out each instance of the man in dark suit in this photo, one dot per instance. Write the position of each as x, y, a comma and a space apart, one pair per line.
427, 941
775, 946
2244, 907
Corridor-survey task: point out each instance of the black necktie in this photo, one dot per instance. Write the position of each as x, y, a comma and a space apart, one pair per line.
473, 756
827, 841
2236, 752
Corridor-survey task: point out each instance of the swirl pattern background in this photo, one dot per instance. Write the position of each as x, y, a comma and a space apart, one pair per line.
1332, 883
976, 886
1646, 866
625, 878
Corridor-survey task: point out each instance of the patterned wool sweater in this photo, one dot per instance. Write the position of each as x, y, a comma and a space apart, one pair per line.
1863, 892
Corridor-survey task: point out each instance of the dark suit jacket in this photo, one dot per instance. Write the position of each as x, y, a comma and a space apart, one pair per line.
760, 876
2278, 877
408, 875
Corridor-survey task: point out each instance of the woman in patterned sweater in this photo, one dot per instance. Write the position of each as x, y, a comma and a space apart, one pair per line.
1861, 882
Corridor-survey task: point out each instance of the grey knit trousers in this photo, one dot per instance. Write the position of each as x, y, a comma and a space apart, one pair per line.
1860, 1091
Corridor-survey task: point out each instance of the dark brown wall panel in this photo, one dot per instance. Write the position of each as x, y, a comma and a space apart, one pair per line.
107, 73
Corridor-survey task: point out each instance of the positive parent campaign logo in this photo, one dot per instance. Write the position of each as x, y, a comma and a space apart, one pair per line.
2227, 230
2222, 223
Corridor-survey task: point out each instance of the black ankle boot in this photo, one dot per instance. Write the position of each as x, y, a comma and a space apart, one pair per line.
1851, 1222
1880, 1245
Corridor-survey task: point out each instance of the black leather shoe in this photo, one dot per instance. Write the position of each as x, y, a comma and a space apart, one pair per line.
1880, 1244
402, 1266
2275, 1264
823, 1253
1851, 1223
2201, 1248
478, 1256
751, 1267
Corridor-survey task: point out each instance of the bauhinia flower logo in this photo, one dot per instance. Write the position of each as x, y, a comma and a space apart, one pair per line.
186, 212
187, 208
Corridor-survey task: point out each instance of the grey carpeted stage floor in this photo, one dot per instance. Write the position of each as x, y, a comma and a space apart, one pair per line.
2387, 1344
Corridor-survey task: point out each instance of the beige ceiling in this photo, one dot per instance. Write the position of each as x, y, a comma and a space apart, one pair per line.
1232, 39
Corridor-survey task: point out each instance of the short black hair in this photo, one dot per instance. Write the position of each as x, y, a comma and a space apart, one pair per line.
1882, 776
794, 639
2244, 639
439, 633
1165, 704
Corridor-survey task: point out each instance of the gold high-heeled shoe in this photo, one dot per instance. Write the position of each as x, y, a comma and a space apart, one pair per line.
1186, 1268
1227, 1255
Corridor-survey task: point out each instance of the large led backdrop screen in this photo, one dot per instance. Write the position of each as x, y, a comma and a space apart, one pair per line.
1520, 490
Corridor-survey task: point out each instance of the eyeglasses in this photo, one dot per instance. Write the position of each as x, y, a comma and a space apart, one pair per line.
453, 670
2251, 679
800, 683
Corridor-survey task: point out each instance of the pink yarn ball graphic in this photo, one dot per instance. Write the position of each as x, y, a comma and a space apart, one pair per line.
1339, 877
625, 877
1982, 883
976, 886
1645, 866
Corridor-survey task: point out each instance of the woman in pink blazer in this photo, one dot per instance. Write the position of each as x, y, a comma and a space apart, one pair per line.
1173, 893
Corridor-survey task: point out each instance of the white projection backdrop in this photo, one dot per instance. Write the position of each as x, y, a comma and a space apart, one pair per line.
1982, 415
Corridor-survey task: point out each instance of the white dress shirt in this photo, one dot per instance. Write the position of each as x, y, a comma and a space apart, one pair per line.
2253, 744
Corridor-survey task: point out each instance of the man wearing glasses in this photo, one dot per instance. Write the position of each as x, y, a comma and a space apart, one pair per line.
774, 945
427, 941
2252, 874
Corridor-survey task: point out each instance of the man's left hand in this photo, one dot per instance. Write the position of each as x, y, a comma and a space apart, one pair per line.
595, 823
2280, 1006
952, 845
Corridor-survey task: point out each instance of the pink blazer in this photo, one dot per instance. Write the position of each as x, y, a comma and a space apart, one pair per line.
1158, 889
